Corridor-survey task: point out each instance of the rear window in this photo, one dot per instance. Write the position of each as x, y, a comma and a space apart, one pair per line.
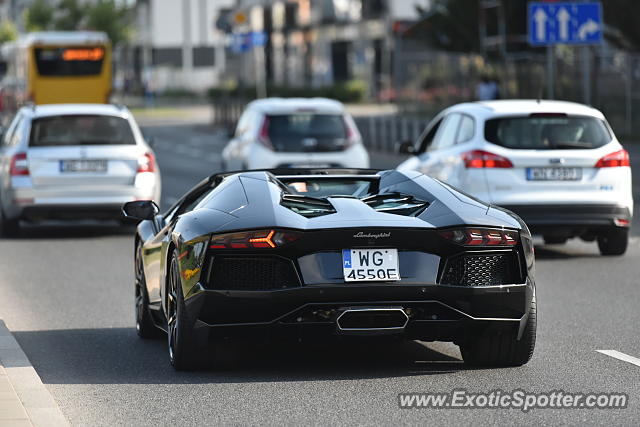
69, 61
307, 126
540, 132
80, 130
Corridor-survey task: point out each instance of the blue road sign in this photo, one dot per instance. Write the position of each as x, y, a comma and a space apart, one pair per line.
564, 23
240, 42
258, 38
243, 42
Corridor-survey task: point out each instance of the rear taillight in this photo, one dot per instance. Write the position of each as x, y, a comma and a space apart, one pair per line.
19, 165
259, 239
614, 160
147, 163
478, 159
352, 132
481, 236
263, 135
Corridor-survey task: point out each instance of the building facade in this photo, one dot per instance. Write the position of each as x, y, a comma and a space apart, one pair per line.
177, 45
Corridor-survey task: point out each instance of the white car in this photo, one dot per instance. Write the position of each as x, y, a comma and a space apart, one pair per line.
556, 164
73, 161
295, 132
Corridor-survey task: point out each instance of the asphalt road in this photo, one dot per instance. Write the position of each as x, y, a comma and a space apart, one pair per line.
66, 293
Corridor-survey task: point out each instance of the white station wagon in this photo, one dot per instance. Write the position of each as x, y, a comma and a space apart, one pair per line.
73, 161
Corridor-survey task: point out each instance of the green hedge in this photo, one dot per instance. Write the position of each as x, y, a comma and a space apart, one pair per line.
352, 91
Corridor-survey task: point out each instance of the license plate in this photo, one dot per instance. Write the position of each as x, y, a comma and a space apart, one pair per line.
366, 265
83, 166
554, 174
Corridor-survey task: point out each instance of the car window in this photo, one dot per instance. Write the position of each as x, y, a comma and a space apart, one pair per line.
446, 135
306, 131
466, 129
243, 123
80, 130
427, 139
11, 129
547, 132
17, 132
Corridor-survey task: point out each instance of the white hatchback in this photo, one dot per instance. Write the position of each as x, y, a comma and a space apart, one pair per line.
295, 132
73, 161
558, 165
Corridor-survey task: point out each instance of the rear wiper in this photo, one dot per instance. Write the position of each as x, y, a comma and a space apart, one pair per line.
571, 144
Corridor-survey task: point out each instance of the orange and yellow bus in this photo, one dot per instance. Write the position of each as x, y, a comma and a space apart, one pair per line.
55, 67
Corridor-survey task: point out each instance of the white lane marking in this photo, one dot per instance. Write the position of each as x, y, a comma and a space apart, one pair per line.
621, 356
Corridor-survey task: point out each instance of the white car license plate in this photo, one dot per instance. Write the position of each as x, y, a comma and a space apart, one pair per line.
366, 265
83, 165
554, 174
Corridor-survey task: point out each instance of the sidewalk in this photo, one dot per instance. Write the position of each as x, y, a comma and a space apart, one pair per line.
24, 400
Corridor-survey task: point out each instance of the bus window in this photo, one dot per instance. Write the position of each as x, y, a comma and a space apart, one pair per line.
69, 61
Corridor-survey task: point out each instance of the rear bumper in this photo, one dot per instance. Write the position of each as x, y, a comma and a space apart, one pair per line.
435, 312
540, 218
72, 202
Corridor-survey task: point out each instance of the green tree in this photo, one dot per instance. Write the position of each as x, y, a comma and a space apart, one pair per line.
70, 15
112, 18
8, 31
621, 19
38, 16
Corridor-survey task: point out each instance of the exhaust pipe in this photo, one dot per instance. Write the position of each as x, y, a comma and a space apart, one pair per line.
372, 321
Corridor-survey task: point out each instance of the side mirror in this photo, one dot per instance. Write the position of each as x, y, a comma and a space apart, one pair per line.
406, 147
150, 140
140, 209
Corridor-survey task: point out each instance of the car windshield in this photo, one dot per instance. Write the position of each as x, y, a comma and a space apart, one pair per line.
80, 130
321, 188
72, 61
547, 132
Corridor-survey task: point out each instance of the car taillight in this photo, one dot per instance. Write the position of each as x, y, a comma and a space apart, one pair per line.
259, 239
483, 159
614, 160
352, 133
263, 135
481, 236
19, 165
147, 163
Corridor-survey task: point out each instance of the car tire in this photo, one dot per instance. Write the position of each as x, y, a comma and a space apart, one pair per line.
504, 349
554, 240
184, 353
145, 326
180, 337
9, 227
614, 242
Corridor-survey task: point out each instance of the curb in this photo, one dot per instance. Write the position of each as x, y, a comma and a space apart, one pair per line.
24, 400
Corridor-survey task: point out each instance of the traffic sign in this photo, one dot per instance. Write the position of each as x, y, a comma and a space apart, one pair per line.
243, 42
565, 23
258, 38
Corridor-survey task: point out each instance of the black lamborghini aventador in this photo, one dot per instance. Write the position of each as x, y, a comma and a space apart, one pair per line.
321, 253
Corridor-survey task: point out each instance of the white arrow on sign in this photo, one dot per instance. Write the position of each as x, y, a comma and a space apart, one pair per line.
588, 28
541, 20
563, 18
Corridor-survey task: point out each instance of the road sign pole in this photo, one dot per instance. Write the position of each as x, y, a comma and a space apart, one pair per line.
586, 74
551, 71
